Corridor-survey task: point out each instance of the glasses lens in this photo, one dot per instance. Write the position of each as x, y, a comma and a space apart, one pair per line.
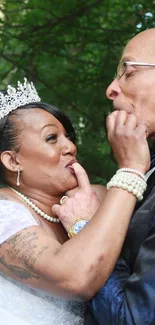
121, 69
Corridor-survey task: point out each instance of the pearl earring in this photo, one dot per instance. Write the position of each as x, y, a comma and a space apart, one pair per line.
18, 177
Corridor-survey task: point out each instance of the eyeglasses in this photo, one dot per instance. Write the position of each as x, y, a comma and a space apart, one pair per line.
121, 68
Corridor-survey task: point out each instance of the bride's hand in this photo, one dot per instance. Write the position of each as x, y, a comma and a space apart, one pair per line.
82, 203
128, 140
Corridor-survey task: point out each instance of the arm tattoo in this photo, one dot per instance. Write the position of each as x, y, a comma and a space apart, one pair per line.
23, 252
17, 270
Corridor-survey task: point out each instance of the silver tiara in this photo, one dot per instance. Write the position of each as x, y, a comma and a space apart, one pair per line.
15, 97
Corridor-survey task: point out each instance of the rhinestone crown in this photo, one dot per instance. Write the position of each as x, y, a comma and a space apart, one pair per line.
25, 93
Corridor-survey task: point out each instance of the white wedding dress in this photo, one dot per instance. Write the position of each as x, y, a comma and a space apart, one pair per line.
20, 305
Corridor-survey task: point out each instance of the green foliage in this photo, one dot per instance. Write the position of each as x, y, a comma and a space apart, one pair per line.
70, 49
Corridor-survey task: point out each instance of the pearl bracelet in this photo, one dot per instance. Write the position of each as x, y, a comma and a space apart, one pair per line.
131, 170
129, 181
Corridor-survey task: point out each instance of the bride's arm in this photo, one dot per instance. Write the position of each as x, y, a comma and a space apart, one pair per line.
100, 191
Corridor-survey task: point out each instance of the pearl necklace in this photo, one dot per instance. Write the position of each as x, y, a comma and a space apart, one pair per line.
34, 207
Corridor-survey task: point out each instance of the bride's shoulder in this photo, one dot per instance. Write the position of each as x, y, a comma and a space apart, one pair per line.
4, 194
8, 196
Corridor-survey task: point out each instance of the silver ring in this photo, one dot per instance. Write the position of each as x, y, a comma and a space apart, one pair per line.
63, 199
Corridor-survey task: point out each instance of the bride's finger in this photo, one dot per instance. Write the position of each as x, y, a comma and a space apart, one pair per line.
110, 123
121, 119
131, 122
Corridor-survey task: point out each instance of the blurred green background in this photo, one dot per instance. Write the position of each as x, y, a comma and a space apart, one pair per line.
70, 50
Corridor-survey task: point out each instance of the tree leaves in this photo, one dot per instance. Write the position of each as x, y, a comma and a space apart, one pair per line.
70, 50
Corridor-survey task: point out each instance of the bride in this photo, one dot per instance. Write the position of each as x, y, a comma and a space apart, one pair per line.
48, 267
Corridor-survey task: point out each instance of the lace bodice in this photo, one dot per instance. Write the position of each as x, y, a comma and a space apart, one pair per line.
13, 218
20, 305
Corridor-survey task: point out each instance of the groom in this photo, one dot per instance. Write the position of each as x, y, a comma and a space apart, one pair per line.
128, 297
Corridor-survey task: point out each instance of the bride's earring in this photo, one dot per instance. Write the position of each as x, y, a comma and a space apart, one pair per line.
18, 177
